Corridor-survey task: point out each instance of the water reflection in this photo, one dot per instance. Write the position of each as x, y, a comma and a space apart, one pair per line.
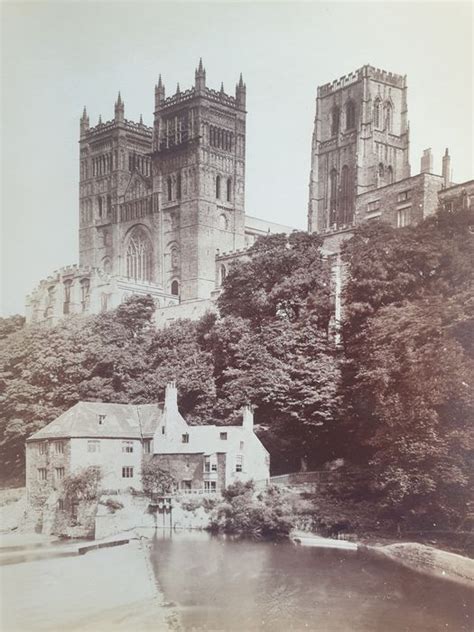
223, 584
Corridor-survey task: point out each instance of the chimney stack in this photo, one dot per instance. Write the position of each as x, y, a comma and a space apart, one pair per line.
426, 163
247, 415
171, 396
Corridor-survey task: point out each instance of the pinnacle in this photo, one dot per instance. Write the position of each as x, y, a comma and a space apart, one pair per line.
200, 67
177, 89
222, 86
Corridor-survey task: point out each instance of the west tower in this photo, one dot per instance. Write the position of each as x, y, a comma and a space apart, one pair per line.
117, 231
360, 142
198, 164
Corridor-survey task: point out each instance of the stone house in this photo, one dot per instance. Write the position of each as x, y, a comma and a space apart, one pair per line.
118, 438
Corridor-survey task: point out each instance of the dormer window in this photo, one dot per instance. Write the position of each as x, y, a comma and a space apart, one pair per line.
185, 438
101, 419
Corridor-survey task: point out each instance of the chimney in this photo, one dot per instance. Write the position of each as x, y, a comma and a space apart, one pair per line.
446, 169
247, 418
171, 396
426, 163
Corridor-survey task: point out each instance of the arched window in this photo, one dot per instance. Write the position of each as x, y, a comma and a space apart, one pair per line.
377, 113
350, 115
335, 117
178, 187
332, 196
109, 206
175, 288
170, 189
346, 201
174, 257
229, 189
218, 187
99, 201
139, 256
85, 293
381, 174
223, 273
389, 175
223, 222
67, 296
388, 116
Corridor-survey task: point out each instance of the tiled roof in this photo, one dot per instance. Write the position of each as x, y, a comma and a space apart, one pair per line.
121, 421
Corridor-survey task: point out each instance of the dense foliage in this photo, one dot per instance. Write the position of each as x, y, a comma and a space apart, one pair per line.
157, 481
407, 380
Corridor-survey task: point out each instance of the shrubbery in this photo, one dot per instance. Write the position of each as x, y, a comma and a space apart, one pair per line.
82, 486
244, 512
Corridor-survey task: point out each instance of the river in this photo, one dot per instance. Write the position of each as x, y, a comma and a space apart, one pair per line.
224, 584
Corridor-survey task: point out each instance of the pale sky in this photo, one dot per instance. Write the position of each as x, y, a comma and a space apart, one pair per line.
59, 56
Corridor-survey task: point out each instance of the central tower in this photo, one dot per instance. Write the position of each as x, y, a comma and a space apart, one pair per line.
360, 143
198, 170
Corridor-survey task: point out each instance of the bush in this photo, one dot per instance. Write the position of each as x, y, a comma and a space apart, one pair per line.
156, 481
265, 515
112, 504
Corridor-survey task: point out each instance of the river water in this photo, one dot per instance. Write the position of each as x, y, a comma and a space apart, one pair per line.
223, 584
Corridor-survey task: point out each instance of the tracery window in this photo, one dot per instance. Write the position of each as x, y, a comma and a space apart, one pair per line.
229, 189
139, 257
345, 195
218, 187
388, 117
170, 189
178, 187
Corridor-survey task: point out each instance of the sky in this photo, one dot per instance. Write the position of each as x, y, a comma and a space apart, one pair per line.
57, 57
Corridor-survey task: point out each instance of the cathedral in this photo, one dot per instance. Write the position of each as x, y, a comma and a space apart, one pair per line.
162, 209
159, 208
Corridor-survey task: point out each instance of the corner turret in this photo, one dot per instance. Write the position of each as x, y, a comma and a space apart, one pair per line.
200, 77
84, 122
241, 93
119, 110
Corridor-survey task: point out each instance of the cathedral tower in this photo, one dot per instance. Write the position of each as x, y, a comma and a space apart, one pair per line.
116, 223
360, 142
199, 175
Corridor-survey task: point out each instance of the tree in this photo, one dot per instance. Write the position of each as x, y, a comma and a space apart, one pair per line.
157, 481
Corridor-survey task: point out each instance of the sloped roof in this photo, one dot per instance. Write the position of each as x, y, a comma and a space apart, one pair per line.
121, 421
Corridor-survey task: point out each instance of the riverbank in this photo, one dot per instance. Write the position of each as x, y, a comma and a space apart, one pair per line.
426, 560
102, 590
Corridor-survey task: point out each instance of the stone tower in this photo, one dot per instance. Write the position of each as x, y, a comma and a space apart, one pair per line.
117, 229
360, 142
198, 165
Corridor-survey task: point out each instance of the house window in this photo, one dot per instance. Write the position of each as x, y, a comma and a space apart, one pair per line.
59, 447
403, 217
93, 445
163, 430
101, 419
59, 473
127, 472
241, 445
42, 447
218, 187
210, 486
185, 438
210, 464
42, 474
186, 484
239, 463
223, 436
147, 446
127, 446
404, 195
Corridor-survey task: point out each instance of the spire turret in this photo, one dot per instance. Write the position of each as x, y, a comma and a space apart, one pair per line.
119, 109
200, 76
159, 93
241, 93
177, 88
84, 122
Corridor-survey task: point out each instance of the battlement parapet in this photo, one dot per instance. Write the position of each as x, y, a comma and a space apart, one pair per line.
100, 128
69, 271
232, 253
391, 78
214, 95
